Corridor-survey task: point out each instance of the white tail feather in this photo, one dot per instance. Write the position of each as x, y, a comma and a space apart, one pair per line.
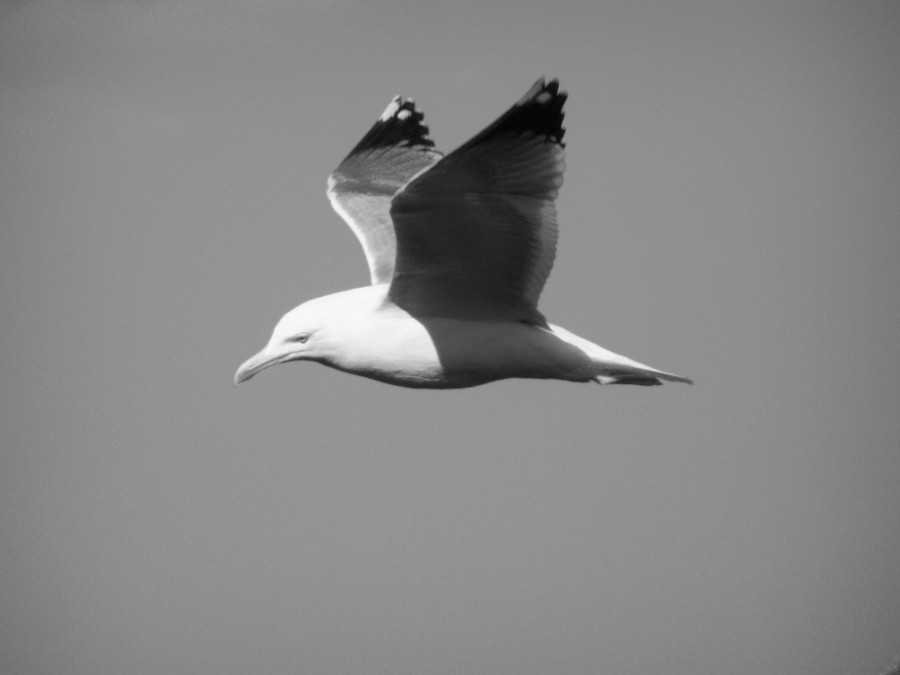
614, 368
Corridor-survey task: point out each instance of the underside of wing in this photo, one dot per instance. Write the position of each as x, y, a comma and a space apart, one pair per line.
394, 150
477, 231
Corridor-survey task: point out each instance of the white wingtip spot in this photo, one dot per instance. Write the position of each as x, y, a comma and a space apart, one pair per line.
543, 97
403, 114
391, 110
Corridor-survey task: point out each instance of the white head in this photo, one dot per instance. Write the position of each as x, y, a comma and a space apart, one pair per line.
314, 331
298, 336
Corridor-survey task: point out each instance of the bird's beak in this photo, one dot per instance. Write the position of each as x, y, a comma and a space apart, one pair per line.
256, 364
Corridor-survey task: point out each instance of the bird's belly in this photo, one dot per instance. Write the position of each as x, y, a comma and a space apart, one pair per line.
496, 351
451, 353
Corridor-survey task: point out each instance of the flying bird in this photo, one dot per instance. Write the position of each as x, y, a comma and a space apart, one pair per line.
459, 248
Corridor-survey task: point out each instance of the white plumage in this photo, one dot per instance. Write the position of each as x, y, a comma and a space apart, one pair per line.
459, 248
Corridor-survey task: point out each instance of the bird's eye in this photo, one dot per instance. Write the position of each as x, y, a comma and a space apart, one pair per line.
300, 338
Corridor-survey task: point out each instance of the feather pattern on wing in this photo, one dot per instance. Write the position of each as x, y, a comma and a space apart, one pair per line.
394, 150
477, 231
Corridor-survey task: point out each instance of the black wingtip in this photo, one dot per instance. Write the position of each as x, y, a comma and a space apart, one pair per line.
399, 125
539, 111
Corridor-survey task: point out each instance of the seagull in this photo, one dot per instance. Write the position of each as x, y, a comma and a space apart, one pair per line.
459, 248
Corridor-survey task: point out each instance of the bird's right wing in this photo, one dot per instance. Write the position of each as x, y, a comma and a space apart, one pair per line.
394, 150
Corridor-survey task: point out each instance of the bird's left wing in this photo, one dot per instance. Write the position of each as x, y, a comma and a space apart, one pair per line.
477, 232
394, 150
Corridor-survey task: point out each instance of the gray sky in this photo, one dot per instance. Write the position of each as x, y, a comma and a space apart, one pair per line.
730, 213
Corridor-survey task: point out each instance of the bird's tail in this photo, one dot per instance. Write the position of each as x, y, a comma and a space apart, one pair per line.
644, 376
612, 368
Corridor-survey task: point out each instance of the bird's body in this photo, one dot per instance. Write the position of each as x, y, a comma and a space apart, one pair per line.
459, 248
370, 336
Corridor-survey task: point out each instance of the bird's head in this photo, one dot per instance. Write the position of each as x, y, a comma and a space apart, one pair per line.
297, 337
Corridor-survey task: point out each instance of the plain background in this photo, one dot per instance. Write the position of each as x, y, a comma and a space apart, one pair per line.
730, 213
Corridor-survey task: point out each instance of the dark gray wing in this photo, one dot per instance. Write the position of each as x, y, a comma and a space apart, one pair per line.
477, 231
